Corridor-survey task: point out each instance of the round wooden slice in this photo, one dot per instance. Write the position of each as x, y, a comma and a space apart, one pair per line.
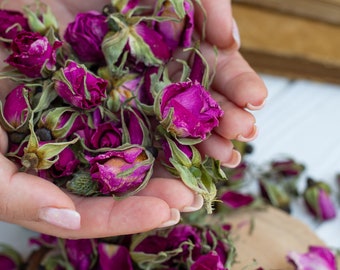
263, 238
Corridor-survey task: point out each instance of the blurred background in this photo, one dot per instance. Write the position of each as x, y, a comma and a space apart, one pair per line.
295, 46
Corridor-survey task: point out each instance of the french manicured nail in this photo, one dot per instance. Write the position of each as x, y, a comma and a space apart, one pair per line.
175, 216
234, 160
253, 134
64, 218
196, 205
255, 107
236, 33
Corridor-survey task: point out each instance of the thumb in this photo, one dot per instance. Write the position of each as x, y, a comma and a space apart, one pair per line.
220, 28
25, 197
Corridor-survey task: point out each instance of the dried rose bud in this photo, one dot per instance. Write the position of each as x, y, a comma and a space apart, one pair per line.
234, 199
80, 253
187, 110
122, 171
79, 87
61, 121
210, 260
274, 194
316, 258
287, 168
33, 55
177, 32
85, 35
147, 45
318, 201
112, 256
11, 23
66, 164
16, 110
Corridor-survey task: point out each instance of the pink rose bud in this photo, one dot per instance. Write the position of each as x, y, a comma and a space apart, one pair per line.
66, 164
122, 171
10, 259
187, 110
85, 35
112, 256
11, 23
16, 110
317, 258
318, 201
79, 87
33, 55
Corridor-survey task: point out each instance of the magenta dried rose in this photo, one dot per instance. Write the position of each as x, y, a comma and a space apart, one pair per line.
66, 164
16, 108
208, 261
317, 258
113, 257
32, 54
234, 199
79, 87
122, 171
188, 110
85, 35
176, 33
80, 253
11, 23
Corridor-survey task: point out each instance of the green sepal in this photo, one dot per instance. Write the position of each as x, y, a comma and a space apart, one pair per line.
114, 42
179, 8
52, 117
43, 100
82, 184
41, 21
42, 157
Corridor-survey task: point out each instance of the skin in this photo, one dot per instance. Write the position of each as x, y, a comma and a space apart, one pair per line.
235, 86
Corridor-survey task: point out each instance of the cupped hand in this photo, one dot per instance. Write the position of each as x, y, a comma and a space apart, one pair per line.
39, 205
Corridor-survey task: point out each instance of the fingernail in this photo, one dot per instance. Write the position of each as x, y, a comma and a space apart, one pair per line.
255, 107
175, 216
234, 160
253, 134
196, 205
236, 33
64, 218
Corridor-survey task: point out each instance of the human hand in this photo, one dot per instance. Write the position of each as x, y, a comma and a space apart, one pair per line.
159, 202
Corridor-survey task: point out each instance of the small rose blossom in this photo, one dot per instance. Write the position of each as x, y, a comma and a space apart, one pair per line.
11, 23
32, 54
16, 107
113, 257
194, 112
234, 199
85, 35
122, 171
7, 263
317, 258
79, 87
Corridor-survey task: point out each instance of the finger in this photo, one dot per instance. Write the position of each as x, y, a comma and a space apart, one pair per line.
219, 22
3, 141
25, 197
235, 79
104, 217
236, 123
221, 149
175, 193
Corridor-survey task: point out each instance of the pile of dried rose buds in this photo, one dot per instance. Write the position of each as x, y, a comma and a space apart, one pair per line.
91, 111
